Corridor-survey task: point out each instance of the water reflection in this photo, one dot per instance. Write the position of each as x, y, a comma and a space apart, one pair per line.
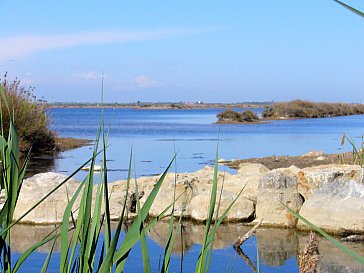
276, 246
41, 164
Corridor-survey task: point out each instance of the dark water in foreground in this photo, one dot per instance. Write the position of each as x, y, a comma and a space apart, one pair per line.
155, 135
277, 249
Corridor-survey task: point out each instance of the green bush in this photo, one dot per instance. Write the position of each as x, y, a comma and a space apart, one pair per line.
230, 116
31, 120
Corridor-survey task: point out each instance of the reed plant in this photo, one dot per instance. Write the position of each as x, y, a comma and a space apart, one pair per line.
356, 155
28, 115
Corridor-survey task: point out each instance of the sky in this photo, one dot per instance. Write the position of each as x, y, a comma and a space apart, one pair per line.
171, 51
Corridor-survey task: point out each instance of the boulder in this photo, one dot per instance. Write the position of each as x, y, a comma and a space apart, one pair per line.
313, 178
277, 187
181, 191
248, 175
337, 207
242, 210
52, 208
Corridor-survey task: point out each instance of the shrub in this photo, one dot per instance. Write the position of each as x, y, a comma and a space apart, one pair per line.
29, 115
307, 109
249, 116
235, 117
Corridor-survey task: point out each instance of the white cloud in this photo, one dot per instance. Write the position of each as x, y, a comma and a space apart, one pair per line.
91, 75
20, 46
143, 81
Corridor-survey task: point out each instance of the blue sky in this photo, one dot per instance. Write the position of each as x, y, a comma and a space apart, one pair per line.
214, 51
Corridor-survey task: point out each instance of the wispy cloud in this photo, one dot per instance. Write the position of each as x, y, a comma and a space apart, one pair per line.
89, 75
20, 46
143, 81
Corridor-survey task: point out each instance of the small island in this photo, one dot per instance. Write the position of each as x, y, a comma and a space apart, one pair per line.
230, 116
296, 109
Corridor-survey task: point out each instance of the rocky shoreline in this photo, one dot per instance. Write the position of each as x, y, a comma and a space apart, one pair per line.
330, 196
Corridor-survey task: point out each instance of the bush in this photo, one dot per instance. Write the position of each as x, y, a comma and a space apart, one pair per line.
230, 116
248, 116
307, 109
29, 115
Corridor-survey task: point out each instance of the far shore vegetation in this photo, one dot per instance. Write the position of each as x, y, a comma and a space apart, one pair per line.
159, 105
296, 109
308, 109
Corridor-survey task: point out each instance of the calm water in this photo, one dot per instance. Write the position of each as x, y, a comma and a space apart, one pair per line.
154, 135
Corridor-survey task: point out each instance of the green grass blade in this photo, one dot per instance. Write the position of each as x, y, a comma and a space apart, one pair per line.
46, 263
64, 230
336, 243
212, 234
143, 240
107, 230
171, 239
350, 8
4, 99
29, 251
133, 235
201, 262
108, 262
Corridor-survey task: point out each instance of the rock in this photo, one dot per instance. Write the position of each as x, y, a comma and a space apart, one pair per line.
277, 186
353, 238
313, 178
203, 179
131, 204
51, 209
117, 199
337, 207
320, 158
248, 175
313, 154
97, 168
248, 169
223, 160
242, 210
182, 190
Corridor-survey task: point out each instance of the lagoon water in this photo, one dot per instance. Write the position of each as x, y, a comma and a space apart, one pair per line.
155, 135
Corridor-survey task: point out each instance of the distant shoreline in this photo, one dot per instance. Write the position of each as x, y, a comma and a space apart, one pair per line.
160, 106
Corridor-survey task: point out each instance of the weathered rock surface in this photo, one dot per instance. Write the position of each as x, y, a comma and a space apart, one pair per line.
277, 187
313, 178
51, 209
336, 207
333, 196
242, 210
248, 175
